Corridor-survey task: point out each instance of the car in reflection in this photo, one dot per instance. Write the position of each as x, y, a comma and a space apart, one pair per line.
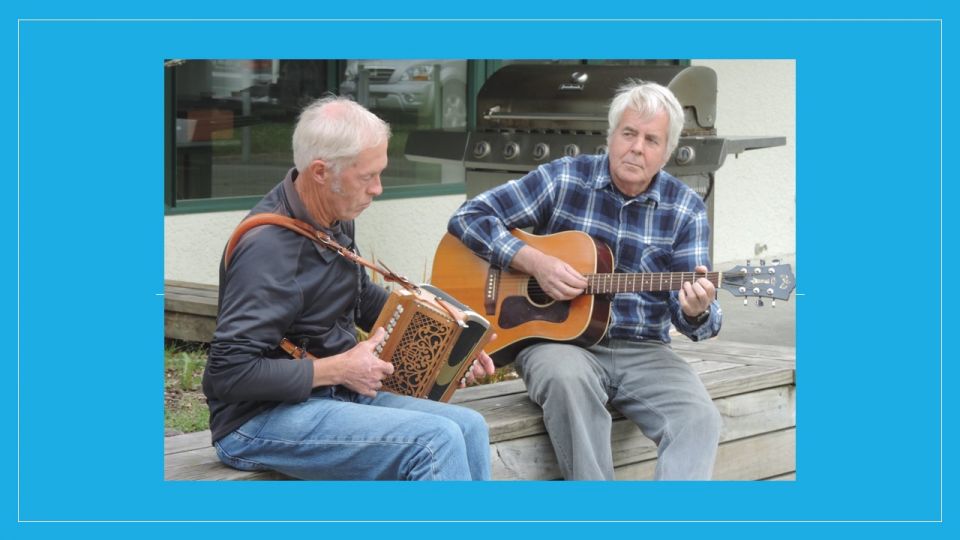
411, 86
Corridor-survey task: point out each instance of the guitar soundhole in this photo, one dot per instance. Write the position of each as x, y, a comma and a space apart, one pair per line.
536, 295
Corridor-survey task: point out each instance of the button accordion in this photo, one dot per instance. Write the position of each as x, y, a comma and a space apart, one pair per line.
430, 345
431, 340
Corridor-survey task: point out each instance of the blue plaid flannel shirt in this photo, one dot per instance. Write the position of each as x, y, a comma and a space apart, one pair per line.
664, 229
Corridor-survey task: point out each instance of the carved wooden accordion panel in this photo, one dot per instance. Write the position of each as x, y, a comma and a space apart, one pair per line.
429, 349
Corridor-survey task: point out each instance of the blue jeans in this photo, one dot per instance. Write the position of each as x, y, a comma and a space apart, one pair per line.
338, 434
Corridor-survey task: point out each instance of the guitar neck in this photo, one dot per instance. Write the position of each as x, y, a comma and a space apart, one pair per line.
645, 282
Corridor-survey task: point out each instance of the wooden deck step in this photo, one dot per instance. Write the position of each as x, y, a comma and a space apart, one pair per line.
753, 387
189, 310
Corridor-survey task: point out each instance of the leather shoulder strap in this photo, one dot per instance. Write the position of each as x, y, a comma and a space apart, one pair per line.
304, 228
257, 220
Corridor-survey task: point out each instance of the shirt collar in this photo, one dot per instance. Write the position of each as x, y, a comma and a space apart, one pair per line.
299, 211
603, 181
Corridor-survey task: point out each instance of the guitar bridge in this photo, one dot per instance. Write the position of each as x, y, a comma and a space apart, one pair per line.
491, 290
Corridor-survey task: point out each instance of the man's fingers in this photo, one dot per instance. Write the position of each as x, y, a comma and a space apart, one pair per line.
573, 278
487, 363
377, 336
388, 368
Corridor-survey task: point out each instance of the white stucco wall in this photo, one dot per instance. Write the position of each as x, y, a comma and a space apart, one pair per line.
403, 233
755, 205
755, 194
405, 239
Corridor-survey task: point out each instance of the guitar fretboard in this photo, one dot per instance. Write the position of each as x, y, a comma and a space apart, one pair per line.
646, 282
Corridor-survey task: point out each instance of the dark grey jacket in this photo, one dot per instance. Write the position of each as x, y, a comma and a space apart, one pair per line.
281, 284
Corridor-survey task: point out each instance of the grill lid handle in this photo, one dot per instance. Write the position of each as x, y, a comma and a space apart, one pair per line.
495, 114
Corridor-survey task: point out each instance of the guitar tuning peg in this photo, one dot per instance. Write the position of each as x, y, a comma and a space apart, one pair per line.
746, 302
762, 262
748, 262
773, 303
775, 261
759, 302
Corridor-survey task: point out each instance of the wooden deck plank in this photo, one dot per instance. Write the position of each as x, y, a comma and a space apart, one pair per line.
746, 415
709, 366
476, 393
192, 305
707, 355
204, 465
734, 349
188, 327
187, 442
746, 379
189, 285
201, 295
764, 456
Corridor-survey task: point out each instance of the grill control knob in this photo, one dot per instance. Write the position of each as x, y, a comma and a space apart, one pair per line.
511, 150
481, 149
541, 151
685, 155
571, 150
600, 149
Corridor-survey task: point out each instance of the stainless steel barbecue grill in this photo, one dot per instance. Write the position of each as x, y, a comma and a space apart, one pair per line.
530, 114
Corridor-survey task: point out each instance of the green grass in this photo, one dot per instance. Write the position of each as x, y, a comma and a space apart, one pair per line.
185, 407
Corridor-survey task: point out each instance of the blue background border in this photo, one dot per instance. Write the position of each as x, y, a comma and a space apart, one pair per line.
91, 221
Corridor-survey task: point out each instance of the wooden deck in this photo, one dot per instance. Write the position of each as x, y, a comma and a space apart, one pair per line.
753, 386
189, 310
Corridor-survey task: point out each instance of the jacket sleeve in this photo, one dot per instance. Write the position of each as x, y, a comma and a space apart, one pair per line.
690, 250
259, 301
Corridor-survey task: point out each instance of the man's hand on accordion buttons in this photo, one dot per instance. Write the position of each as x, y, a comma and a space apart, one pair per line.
482, 366
362, 370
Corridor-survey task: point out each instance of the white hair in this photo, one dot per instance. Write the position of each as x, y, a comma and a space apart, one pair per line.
335, 129
648, 99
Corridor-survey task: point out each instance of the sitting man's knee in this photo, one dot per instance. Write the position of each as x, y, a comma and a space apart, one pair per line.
474, 422
707, 418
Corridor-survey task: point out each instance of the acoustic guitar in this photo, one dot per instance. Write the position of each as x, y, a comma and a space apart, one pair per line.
520, 313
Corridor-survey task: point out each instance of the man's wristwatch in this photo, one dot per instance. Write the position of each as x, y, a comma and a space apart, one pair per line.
699, 319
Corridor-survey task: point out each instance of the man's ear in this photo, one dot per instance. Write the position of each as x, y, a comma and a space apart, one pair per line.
318, 171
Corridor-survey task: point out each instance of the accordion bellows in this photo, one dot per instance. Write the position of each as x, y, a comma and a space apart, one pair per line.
429, 349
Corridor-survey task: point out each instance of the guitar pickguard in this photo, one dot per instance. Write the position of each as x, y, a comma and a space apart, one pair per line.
517, 310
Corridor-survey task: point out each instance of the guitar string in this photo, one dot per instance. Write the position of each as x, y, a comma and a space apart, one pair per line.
597, 281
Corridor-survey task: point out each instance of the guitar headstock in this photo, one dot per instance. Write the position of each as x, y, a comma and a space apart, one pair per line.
775, 281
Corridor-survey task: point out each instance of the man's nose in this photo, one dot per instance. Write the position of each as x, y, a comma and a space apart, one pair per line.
376, 187
637, 146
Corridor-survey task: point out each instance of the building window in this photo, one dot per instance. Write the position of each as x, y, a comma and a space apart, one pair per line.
411, 95
230, 122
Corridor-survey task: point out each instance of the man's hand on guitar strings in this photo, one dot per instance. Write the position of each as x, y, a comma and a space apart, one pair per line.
696, 297
556, 278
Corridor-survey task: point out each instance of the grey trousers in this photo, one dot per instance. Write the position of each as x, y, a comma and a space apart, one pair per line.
647, 382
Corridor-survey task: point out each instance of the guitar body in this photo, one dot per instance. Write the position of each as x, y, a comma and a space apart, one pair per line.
519, 313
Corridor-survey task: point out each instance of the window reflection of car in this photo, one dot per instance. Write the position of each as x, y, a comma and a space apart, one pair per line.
408, 86
243, 79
